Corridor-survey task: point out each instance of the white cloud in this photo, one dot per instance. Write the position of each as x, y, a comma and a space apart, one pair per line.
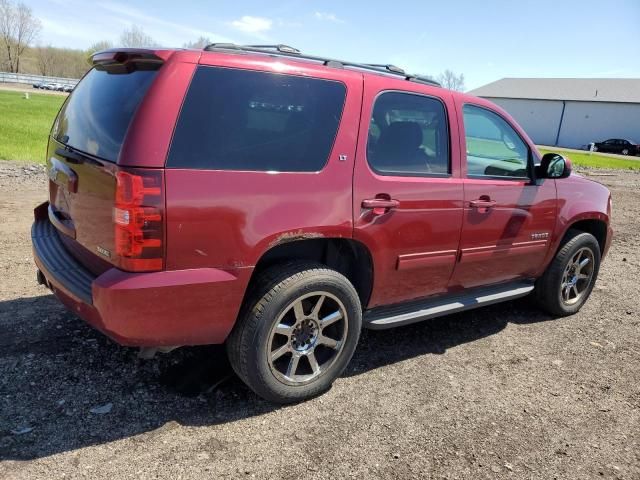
252, 25
328, 17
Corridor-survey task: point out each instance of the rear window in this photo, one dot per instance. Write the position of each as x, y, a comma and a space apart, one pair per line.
244, 120
97, 114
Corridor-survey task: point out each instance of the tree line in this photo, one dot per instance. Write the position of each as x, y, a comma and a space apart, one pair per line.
19, 52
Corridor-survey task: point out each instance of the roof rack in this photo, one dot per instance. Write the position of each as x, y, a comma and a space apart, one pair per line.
389, 67
232, 46
288, 51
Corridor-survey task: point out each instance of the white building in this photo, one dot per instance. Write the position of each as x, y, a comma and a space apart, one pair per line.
570, 112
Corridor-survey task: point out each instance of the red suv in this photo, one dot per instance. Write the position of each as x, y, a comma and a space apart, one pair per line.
279, 203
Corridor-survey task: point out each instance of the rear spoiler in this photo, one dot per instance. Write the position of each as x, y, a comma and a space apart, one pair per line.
125, 60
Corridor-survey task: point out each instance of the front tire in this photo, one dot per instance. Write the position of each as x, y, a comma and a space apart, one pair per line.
625, 151
297, 333
568, 281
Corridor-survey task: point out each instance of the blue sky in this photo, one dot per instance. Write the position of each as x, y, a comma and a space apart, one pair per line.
486, 40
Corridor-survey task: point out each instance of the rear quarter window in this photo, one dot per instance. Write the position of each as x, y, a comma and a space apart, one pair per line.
244, 120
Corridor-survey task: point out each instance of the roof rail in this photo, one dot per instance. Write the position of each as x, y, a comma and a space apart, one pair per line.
423, 79
391, 68
288, 51
232, 46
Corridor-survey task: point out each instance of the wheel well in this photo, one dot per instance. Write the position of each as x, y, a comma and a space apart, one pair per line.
597, 228
349, 257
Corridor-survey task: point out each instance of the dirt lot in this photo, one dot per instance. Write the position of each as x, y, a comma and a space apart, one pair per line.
504, 392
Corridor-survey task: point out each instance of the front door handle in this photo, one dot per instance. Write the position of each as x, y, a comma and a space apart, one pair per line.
380, 206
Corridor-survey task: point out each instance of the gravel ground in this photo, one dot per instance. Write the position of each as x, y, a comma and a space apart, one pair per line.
503, 392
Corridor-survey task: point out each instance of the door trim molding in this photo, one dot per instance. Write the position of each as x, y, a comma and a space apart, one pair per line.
426, 259
518, 248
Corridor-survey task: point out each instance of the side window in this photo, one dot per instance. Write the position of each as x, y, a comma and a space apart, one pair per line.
494, 148
245, 120
408, 135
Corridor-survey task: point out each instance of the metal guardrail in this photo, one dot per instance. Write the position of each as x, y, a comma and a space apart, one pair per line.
6, 77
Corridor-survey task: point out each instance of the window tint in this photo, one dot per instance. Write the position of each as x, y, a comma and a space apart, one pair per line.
493, 146
408, 135
97, 114
243, 120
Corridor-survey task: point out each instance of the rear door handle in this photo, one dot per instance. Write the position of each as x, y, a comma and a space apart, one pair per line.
482, 203
380, 205
375, 203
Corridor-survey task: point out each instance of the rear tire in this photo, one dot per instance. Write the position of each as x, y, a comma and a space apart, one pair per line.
568, 281
625, 151
296, 333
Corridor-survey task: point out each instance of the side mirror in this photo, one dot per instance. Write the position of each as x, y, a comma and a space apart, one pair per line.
554, 166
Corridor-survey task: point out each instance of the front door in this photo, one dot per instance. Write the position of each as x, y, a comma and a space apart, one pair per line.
508, 218
407, 199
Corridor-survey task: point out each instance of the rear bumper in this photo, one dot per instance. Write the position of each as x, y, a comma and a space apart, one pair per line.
170, 308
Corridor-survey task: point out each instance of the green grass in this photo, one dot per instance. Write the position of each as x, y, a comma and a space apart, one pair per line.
595, 160
483, 147
25, 124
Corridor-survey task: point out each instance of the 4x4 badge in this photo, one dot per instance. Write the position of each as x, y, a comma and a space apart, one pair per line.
103, 251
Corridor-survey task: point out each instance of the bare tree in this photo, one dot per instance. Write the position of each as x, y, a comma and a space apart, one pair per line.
135, 37
98, 46
18, 28
45, 59
450, 80
199, 43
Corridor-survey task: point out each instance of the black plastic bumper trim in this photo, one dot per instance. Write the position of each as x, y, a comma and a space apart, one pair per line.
58, 262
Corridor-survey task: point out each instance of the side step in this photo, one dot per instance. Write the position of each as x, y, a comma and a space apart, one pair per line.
400, 314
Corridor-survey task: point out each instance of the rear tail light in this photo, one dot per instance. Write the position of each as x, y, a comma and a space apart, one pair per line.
138, 218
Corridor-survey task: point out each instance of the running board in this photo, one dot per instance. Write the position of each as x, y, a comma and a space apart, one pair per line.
397, 315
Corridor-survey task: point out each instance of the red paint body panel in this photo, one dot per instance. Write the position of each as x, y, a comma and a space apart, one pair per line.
427, 219
521, 210
181, 307
580, 199
219, 224
170, 308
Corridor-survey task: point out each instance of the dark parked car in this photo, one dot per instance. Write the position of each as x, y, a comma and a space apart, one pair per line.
279, 203
38, 85
617, 145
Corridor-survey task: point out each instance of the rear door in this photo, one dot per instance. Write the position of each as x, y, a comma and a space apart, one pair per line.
407, 194
508, 218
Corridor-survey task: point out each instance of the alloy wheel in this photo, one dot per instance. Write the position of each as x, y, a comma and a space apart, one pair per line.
307, 338
577, 276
